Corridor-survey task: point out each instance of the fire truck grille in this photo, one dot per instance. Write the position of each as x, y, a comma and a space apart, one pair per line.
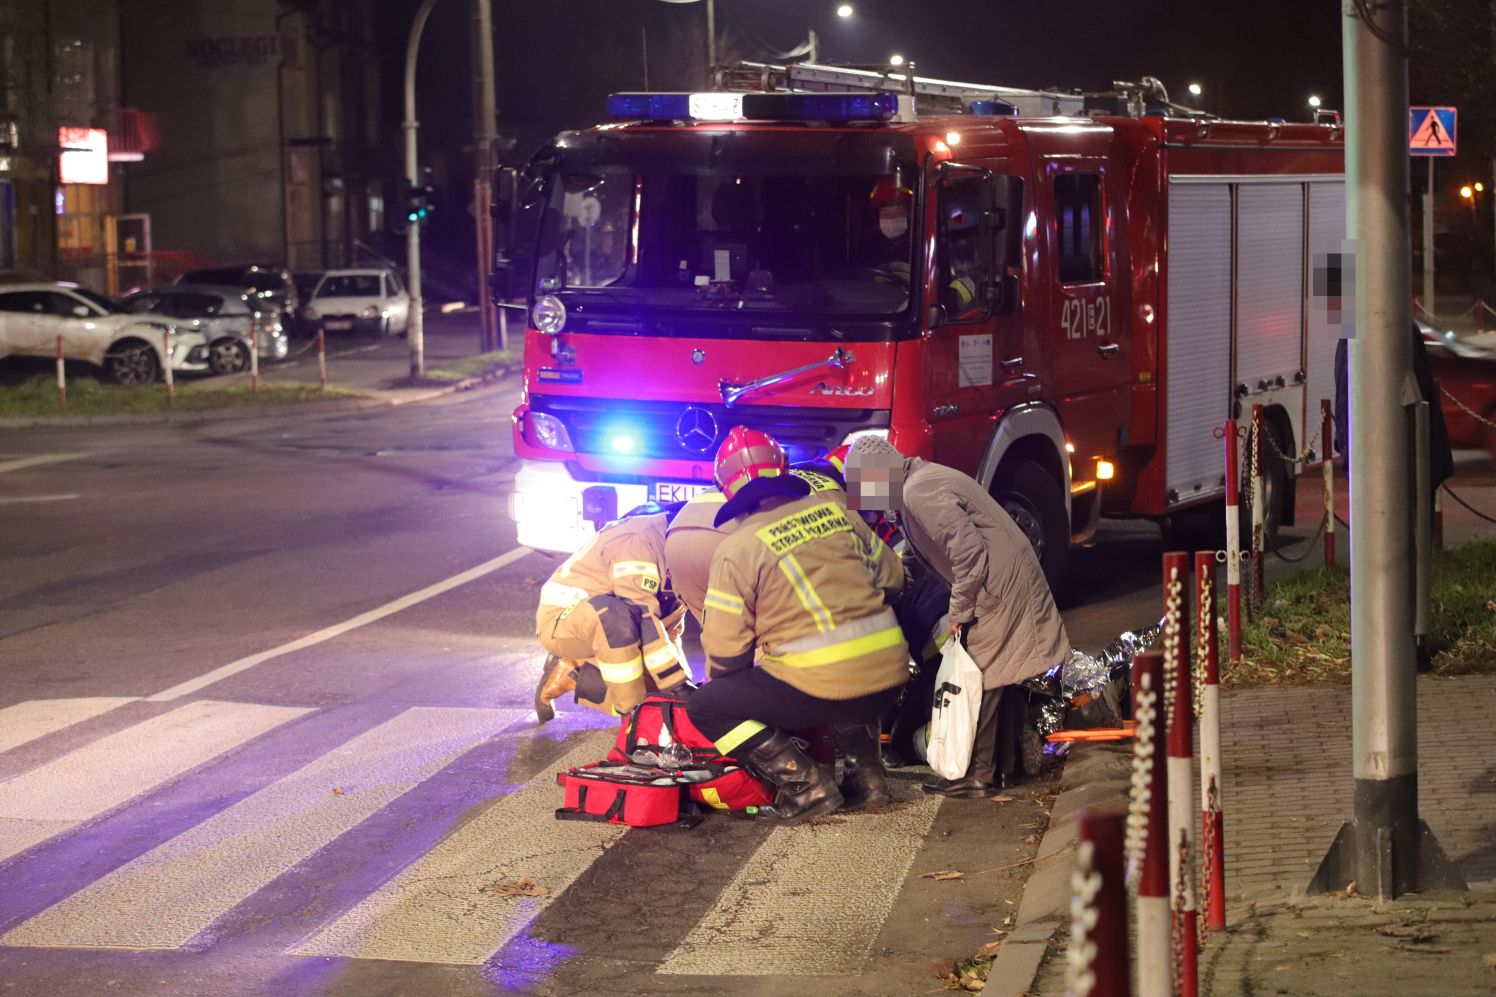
676, 431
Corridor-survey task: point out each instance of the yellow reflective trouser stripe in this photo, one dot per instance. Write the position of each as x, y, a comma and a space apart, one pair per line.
618, 672
659, 657
717, 599
554, 593
710, 796
742, 732
623, 569
807, 593
842, 650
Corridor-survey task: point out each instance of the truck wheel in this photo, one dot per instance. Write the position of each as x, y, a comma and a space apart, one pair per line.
1036, 502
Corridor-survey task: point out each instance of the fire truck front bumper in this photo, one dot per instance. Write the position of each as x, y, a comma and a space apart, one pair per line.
554, 512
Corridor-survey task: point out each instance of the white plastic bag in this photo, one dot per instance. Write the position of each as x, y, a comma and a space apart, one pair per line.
953, 713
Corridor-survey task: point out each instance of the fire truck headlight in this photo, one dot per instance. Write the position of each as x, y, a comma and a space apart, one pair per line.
548, 431
549, 314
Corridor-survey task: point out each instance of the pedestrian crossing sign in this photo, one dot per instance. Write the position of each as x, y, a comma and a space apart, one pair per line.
1431, 131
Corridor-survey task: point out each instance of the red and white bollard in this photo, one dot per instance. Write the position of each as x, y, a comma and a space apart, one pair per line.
1099, 964
1233, 546
1212, 830
1327, 433
1259, 513
1148, 830
171, 385
1180, 723
321, 360
62, 380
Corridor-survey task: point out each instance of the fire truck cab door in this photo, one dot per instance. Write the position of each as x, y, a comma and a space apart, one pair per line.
1088, 348
975, 346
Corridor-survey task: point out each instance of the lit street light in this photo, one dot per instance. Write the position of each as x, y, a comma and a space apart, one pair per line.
896, 60
1467, 192
1314, 100
845, 10
1196, 89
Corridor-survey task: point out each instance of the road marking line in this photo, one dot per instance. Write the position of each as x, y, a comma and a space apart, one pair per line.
39, 717
437, 910
338, 629
21, 463
86, 783
170, 894
813, 899
18, 500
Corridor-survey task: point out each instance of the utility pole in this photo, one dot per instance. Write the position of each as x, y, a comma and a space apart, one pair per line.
1428, 242
711, 42
484, 139
1385, 848
416, 326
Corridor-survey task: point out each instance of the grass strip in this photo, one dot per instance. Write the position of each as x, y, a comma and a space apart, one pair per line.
482, 365
87, 396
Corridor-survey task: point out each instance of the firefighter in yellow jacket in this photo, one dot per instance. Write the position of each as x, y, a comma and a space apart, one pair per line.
798, 633
607, 621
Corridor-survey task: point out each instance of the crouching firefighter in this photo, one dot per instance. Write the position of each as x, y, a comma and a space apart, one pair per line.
610, 627
802, 587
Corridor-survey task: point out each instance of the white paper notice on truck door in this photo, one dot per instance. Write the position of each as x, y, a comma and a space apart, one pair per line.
975, 359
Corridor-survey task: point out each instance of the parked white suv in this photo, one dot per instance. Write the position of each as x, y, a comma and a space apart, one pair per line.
370, 301
130, 348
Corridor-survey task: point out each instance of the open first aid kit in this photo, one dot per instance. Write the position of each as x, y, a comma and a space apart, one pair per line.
661, 770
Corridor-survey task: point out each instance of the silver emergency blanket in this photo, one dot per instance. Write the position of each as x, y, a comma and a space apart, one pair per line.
1088, 675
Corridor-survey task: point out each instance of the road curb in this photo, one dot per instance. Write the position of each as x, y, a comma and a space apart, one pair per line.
247, 413
1094, 773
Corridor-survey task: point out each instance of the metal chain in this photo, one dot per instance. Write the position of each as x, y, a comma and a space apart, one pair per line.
1309, 454
1468, 507
1249, 599
1141, 791
1172, 626
1202, 637
1467, 409
1207, 847
1085, 883
1309, 549
1176, 936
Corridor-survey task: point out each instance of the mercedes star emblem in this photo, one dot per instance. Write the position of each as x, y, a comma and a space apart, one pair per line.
698, 356
696, 429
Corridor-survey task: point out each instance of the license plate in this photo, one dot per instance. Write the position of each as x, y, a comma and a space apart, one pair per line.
340, 324
666, 492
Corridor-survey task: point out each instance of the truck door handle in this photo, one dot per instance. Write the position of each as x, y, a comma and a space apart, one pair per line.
1012, 363
1110, 349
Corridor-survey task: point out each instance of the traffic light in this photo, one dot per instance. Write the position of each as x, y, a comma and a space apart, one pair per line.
418, 202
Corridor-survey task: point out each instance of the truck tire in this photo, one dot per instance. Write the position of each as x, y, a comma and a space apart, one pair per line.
1036, 501
1277, 486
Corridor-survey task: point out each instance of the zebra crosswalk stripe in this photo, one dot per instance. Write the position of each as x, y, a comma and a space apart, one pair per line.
166, 896
813, 898
92, 780
36, 718
444, 909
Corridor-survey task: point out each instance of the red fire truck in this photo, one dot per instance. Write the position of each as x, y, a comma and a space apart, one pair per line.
1062, 295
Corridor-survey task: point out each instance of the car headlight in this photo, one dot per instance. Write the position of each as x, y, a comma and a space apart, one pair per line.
548, 431
549, 314
371, 312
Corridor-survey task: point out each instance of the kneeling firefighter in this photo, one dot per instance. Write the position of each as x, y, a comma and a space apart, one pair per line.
607, 621
803, 588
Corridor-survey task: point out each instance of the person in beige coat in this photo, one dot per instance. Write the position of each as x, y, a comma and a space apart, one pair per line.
1000, 602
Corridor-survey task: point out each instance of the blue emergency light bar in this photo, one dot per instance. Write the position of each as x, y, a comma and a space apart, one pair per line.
728, 106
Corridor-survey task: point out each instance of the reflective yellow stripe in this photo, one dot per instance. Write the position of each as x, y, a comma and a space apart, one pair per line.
738, 735
842, 650
617, 673
818, 521
560, 594
818, 482
717, 599
807, 592
663, 655
624, 569
709, 795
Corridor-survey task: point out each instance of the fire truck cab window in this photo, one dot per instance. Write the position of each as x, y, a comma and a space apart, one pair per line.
1080, 228
595, 209
963, 255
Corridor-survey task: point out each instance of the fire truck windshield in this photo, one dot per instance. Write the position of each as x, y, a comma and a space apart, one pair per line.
813, 224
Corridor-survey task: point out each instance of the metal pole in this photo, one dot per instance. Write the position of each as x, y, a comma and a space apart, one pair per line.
485, 113
1180, 719
1423, 523
62, 381
1428, 242
254, 358
321, 360
171, 384
415, 329
1233, 547
1148, 829
1212, 825
711, 42
1384, 848
1099, 965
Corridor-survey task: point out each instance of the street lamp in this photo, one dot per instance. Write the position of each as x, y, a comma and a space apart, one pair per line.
1196, 89
845, 10
896, 60
1314, 100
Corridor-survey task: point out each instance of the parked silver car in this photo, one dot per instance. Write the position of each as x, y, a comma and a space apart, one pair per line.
226, 316
272, 284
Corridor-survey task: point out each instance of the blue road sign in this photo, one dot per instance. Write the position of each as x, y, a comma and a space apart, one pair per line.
1431, 131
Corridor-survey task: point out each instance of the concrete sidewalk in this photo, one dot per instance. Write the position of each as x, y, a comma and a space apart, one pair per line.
1286, 755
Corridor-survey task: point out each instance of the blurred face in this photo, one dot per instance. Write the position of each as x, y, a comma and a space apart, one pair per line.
1333, 286
875, 483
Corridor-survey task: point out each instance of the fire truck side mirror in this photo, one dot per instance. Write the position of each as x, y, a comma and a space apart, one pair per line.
1008, 203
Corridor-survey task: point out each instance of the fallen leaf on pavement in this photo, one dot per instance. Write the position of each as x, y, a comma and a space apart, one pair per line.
1488, 960
1002, 799
944, 874
338, 791
942, 968
522, 887
989, 950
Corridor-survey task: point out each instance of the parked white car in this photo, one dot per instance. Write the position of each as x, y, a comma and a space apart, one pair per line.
370, 301
130, 348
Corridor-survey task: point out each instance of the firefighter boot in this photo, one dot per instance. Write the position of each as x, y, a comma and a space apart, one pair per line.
557, 678
864, 783
802, 791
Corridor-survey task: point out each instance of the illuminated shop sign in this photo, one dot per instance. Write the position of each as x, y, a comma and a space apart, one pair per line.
84, 155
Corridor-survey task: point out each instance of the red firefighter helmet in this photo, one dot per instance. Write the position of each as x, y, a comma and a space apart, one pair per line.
838, 458
747, 455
